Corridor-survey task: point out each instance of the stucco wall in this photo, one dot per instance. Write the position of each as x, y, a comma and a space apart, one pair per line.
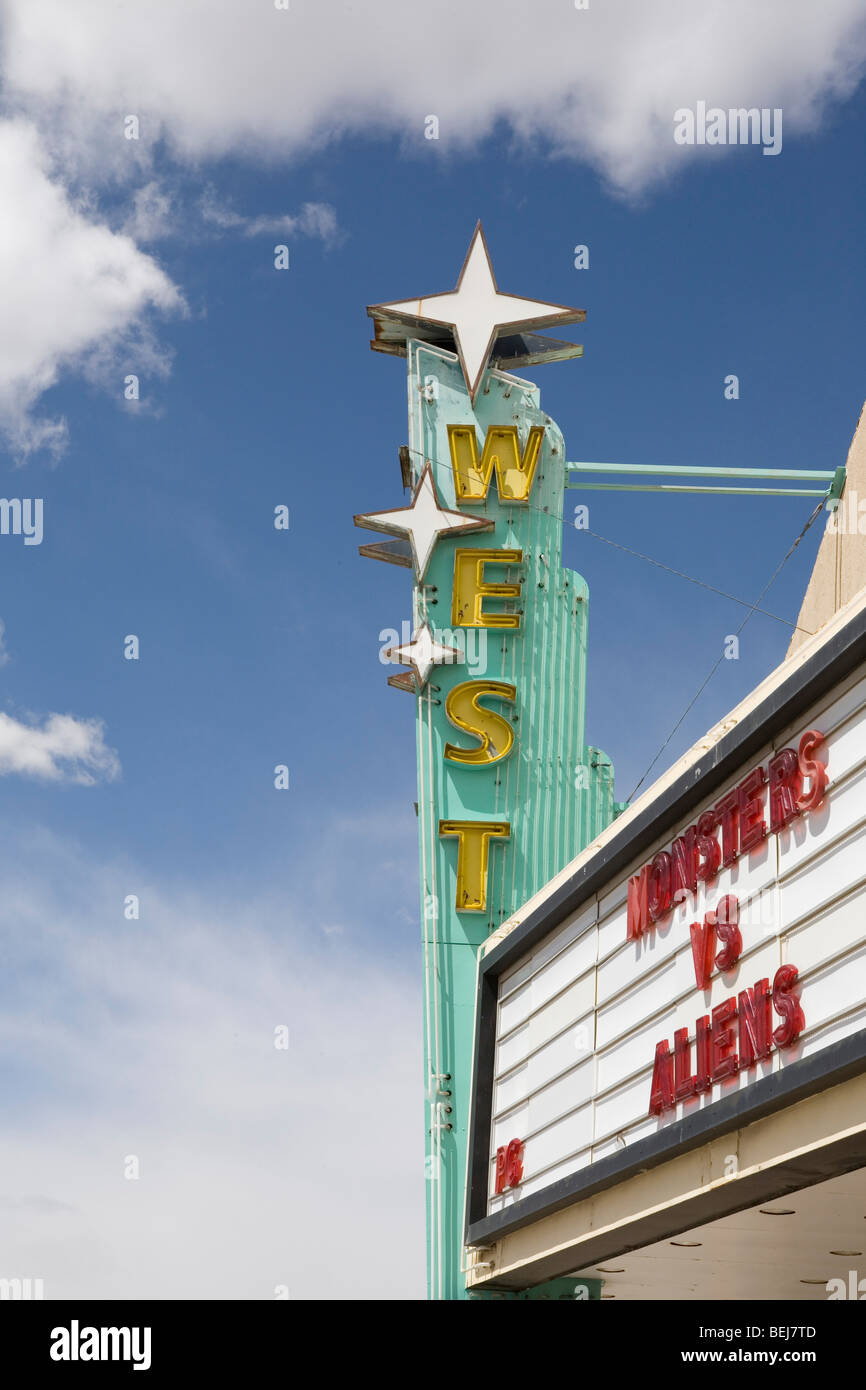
840, 566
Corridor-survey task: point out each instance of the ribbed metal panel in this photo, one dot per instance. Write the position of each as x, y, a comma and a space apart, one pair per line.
556, 792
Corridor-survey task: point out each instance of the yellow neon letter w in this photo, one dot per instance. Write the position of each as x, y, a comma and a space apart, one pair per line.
514, 474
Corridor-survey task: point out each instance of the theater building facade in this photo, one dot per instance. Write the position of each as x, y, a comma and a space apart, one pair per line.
669, 1090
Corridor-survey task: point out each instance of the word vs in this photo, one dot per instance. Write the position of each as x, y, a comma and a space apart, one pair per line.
738, 1033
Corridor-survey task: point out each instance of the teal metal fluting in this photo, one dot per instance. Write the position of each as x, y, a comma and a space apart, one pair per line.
554, 790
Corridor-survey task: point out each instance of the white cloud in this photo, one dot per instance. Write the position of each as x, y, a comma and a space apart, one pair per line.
600, 84
314, 219
69, 286
62, 748
158, 209
155, 1037
213, 78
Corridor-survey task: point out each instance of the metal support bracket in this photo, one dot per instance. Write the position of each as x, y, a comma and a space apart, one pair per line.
832, 480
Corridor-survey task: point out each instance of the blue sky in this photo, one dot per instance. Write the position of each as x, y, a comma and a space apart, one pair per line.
261, 647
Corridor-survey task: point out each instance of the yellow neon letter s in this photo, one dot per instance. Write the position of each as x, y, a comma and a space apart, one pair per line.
493, 730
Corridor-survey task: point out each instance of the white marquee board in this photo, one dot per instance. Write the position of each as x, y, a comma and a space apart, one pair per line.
579, 1016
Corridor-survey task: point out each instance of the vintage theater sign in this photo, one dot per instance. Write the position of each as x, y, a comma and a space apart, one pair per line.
701, 968
508, 785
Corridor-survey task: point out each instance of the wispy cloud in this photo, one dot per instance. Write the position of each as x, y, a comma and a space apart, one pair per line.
152, 213
314, 219
154, 1038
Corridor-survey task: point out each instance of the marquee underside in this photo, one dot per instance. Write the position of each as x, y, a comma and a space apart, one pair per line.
786, 1248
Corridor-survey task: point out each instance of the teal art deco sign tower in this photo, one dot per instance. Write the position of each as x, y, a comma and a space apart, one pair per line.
508, 789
